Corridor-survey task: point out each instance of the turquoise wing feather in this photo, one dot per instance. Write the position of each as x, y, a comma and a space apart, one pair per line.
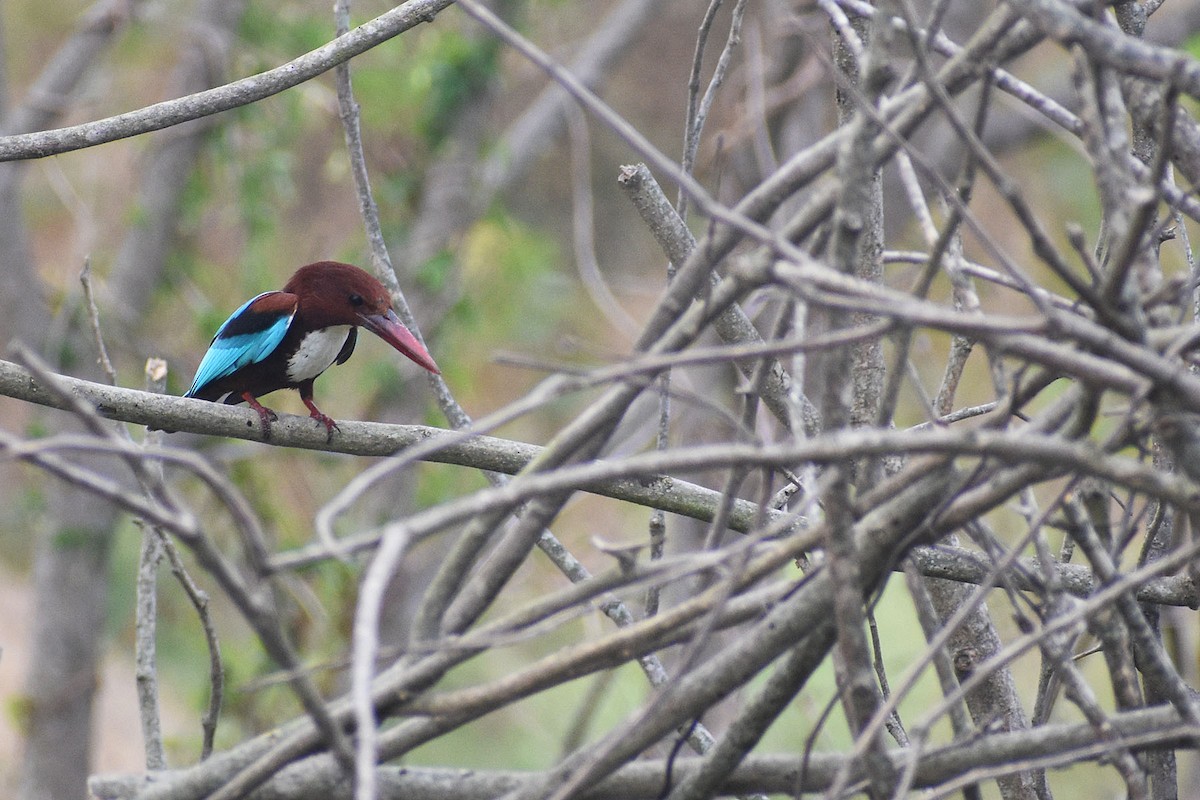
247, 337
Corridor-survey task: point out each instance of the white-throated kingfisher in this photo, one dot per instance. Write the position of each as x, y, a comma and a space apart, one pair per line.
285, 339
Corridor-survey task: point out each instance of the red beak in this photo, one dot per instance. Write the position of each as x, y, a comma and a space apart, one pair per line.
389, 328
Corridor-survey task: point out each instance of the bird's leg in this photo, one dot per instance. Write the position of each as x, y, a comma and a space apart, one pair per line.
265, 414
307, 396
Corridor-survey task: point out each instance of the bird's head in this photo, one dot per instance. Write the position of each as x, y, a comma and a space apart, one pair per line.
332, 293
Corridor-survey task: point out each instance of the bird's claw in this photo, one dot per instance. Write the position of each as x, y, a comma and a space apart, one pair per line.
328, 422
267, 418
265, 415
321, 417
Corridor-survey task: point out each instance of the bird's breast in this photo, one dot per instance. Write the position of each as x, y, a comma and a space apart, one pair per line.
317, 352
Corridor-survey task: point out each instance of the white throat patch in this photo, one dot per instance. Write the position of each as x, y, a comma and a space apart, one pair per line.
317, 352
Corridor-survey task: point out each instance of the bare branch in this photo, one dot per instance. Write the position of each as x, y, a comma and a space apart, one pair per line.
16, 147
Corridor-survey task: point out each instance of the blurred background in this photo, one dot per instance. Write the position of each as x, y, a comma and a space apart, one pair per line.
516, 250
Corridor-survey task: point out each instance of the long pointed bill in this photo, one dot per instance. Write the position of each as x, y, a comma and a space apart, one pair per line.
389, 328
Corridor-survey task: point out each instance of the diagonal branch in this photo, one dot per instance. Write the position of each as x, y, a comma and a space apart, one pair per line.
223, 98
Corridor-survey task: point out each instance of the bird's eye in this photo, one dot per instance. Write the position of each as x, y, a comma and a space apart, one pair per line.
356, 300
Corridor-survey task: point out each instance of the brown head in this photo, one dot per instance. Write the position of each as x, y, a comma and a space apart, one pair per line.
332, 293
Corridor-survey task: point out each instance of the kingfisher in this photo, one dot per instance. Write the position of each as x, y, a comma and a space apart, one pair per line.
286, 339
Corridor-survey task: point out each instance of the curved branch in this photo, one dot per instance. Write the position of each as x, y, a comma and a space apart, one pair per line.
223, 98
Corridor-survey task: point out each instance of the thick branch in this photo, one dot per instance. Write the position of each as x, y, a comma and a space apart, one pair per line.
353, 438
643, 780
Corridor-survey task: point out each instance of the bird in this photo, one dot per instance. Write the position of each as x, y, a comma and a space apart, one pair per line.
286, 339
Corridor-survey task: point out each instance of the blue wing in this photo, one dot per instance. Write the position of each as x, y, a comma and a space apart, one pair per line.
247, 337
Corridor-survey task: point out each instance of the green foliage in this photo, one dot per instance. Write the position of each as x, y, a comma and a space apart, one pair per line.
507, 266
19, 709
254, 706
439, 481
1191, 45
23, 518
271, 32
434, 275
511, 295
543, 719
254, 158
422, 87
461, 68
37, 428
77, 537
261, 488
389, 90
122, 587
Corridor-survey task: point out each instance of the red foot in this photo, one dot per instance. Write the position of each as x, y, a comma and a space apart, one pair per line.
319, 416
265, 414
